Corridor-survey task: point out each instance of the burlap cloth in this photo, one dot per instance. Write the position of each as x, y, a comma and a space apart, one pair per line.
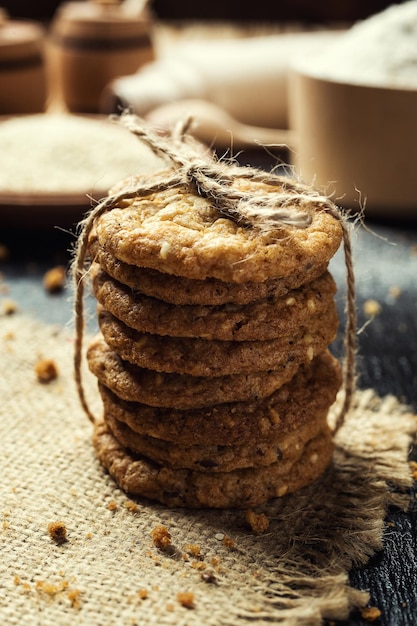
294, 573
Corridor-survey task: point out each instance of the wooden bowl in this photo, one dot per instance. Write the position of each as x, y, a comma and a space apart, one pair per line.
357, 141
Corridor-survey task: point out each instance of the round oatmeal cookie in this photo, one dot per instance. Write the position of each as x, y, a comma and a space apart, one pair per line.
216, 458
296, 406
139, 476
259, 321
211, 291
180, 391
201, 357
177, 232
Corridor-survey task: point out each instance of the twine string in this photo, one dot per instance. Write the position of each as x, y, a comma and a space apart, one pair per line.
212, 179
291, 205
350, 329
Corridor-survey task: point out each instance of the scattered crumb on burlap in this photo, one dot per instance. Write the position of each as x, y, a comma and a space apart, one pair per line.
109, 570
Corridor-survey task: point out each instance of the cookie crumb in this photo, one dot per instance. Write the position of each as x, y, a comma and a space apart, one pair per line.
186, 599
413, 467
112, 506
371, 308
131, 506
229, 542
54, 279
9, 306
143, 594
193, 549
394, 291
57, 531
74, 598
51, 589
258, 522
46, 370
209, 577
370, 614
161, 537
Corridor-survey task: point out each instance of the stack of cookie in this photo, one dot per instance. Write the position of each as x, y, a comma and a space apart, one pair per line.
212, 358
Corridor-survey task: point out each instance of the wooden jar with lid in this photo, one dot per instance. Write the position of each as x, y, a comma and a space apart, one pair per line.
23, 75
94, 42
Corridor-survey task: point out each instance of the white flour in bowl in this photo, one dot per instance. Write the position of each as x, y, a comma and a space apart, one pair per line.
379, 51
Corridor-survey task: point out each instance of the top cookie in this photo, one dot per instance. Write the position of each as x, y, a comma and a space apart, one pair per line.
177, 232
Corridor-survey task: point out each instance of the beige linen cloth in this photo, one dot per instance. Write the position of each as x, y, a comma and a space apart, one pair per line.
109, 572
